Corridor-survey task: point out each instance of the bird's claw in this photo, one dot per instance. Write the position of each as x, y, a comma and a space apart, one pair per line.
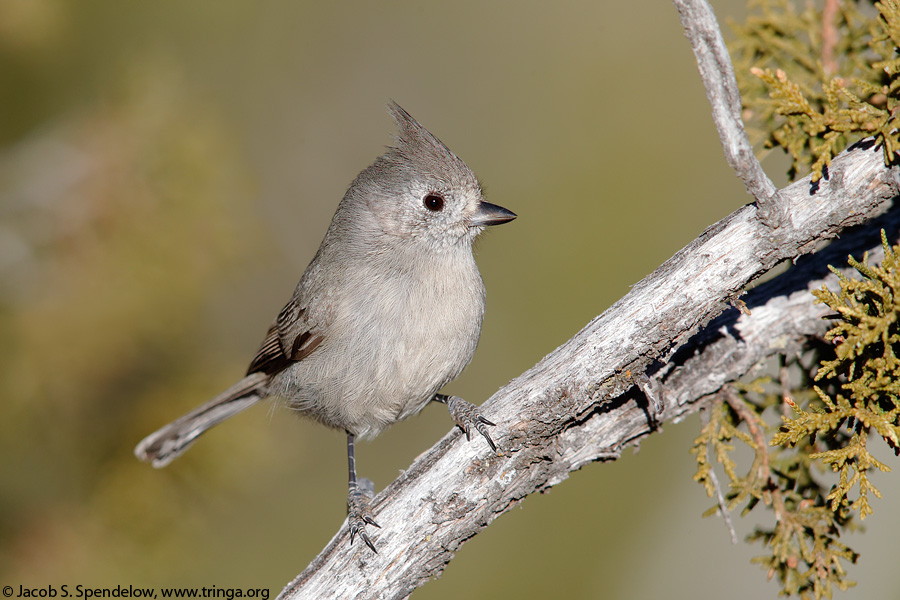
360, 515
357, 526
468, 416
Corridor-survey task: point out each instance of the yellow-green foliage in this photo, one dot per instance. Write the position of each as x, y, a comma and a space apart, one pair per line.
798, 435
865, 339
804, 551
813, 83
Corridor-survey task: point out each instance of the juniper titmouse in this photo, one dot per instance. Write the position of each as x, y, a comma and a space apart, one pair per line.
388, 311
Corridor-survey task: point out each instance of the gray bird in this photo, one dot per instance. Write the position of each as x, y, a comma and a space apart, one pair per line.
387, 313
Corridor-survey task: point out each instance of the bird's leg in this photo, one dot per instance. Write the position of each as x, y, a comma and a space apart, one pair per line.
359, 512
467, 416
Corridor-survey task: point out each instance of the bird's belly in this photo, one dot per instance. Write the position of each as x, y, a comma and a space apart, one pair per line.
381, 370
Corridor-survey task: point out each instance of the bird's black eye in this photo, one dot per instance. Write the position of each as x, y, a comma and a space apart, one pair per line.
433, 202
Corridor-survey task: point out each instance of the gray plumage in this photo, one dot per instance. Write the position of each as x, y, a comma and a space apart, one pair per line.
388, 311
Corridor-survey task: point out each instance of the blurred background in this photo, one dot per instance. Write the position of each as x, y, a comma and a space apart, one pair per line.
168, 169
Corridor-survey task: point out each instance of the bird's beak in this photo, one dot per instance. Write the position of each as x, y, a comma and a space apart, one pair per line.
491, 214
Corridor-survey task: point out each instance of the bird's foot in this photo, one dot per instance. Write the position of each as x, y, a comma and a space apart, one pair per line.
467, 417
360, 512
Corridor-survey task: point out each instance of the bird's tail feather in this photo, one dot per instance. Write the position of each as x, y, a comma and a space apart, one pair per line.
166, 444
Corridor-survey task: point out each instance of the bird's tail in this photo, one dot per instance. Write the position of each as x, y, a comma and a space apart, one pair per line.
165, 445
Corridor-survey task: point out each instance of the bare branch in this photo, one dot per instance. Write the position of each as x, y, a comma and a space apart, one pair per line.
580, 404
717, 73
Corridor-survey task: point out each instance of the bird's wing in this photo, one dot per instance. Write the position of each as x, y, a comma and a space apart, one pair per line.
289, 339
